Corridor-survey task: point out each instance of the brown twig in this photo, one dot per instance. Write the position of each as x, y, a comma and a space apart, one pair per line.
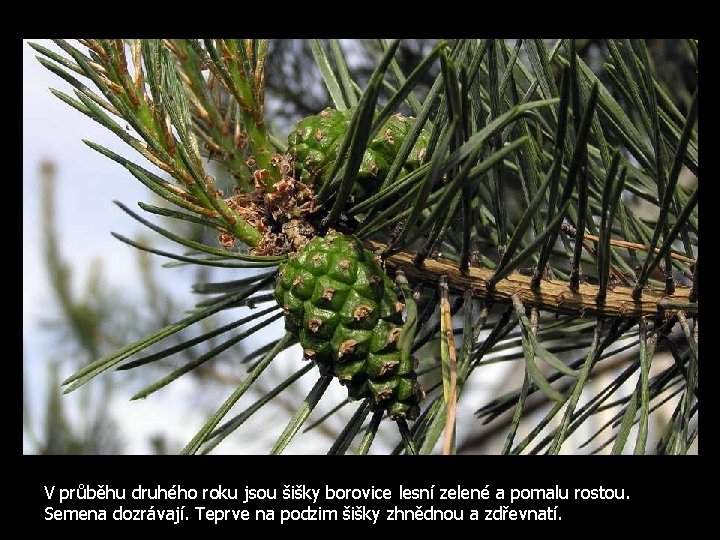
451, 389
551, 295
639, 247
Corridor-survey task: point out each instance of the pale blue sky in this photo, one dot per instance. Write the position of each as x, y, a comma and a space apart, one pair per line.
86, 184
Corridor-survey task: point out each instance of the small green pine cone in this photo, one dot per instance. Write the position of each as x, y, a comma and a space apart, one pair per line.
314, 143
340, 303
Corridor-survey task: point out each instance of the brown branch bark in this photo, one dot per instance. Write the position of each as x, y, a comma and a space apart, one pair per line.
551, 295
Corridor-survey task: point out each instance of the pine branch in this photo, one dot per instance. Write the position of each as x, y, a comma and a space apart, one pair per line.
477, 195
555, 296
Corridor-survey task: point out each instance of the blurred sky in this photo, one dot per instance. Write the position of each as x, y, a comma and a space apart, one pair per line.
86, 184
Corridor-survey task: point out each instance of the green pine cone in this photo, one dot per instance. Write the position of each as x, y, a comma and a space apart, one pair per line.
314, 143
340, 303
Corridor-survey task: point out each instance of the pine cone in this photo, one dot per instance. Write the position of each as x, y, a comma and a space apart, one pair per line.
315, 141
340, 303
